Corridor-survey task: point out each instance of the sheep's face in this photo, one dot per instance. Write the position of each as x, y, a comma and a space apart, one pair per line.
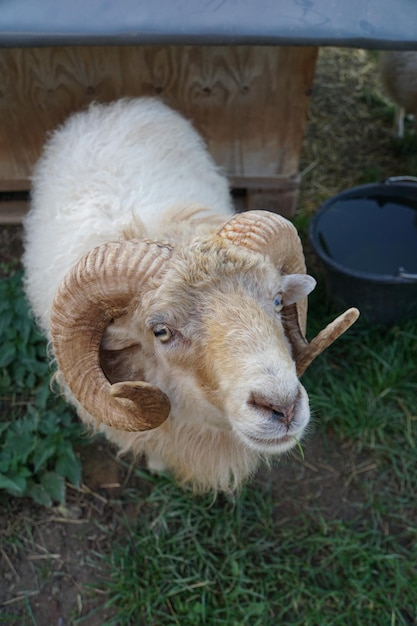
211, 338
250, 362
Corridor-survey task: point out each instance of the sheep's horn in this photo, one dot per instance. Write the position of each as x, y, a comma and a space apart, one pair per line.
325, 338
273, 235
98, 289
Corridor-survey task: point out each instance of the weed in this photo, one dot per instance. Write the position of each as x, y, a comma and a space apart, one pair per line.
377, 104
37, 430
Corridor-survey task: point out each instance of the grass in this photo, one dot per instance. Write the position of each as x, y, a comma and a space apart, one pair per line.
259, 572
365, 385
322, 540
369, 398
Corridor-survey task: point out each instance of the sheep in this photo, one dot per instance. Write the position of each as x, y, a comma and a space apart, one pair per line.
398, 70
177, 326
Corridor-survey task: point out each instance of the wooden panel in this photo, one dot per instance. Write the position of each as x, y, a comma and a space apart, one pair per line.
250, 102
13, 211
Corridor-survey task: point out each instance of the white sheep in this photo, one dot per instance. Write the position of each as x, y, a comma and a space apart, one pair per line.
177, 327
398, 70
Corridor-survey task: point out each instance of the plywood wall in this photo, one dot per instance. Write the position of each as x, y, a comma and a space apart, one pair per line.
250, 102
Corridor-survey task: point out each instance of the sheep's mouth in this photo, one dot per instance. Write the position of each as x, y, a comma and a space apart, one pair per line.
277, 441
272, 445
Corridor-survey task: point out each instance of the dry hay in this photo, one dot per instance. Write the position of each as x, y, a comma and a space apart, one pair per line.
349, 139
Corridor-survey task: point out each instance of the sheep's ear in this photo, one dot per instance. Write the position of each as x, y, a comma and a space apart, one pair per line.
121, 333
295, 287
121, 365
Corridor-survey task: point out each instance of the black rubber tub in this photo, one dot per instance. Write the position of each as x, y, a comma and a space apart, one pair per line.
366, 238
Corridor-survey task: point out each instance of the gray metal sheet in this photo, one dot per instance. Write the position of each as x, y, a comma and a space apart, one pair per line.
375, 24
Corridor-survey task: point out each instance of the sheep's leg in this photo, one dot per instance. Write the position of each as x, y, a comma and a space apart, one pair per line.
399, 122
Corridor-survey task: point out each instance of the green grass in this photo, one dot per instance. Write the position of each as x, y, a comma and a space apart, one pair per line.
194, 563
365, 385
364, 390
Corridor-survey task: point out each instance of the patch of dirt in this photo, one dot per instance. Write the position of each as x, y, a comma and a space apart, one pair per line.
50, 563
328, 482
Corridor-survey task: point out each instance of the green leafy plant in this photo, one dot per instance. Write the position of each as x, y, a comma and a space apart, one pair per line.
23, 363
37, 429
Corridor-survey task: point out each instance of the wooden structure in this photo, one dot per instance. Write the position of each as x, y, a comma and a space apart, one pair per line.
249, 102
241, 71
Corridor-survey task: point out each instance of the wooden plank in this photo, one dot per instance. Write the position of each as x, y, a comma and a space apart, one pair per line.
13, 211
283, 182
280, 201
249, 102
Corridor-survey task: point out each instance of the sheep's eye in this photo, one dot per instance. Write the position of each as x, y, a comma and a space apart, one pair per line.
162, 332
278, 304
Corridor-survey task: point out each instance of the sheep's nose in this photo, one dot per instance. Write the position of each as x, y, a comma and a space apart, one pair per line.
283, 413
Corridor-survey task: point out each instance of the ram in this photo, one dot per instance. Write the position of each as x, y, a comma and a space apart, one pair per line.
178, 327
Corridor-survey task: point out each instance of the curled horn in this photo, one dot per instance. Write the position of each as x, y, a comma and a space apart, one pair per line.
97, 289
276, 237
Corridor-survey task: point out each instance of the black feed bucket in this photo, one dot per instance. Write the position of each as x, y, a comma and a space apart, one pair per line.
366, 238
